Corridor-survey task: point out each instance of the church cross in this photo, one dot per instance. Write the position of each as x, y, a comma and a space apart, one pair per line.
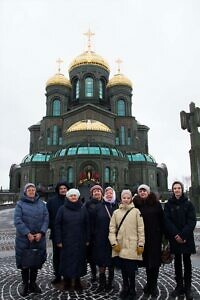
118, 61
89, 34
59, 62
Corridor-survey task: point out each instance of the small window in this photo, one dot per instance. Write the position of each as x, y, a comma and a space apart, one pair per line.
107, 175
48, 137
89, 82
122, 135
55, 135
77, 89
70, 175
121, 108
100, 89
56, 107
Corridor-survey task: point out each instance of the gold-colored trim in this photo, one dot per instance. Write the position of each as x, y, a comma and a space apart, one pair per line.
88, 125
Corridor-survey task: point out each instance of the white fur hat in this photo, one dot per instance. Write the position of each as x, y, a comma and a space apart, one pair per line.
73, 192
144, 187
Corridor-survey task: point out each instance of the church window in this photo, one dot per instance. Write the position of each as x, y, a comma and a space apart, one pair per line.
89, 82
55, 135
125, 176
77, 89
59, 136
62, 174
100, 89
122, 135
129, 137
70, 175
56, 107
121, 108
107, 175
114, 175
117, 137
48, 137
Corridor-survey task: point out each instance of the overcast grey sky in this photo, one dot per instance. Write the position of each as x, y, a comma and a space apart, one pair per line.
158, 41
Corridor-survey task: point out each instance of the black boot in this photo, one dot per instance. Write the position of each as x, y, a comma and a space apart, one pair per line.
102, 282
33, 287
78, 286
154, 279
93, 272
67, 284
178, 291
124, 292
109, 285
189, 294
25, 286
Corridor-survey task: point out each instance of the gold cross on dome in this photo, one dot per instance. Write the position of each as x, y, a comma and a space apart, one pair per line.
89, 34
59, 62
118, 61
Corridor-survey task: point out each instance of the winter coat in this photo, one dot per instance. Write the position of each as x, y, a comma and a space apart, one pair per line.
102, 250
180, 219
53, 205
31, 216
72, 230
153, 217
130, 234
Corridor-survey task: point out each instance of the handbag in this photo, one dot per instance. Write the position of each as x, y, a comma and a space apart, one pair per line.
32, 257
166, 256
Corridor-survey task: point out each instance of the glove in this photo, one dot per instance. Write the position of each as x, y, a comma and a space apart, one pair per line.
140, 250
116, 248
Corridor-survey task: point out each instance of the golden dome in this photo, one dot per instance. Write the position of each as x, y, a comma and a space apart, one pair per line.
119, 79
89, 57
88, 125
58, 79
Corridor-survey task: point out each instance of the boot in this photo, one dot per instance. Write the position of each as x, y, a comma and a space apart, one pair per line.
154, 279
147, 289
33, 287
25, 279
78, 286
67, 283
110, 279
56, 280
93, 272
178, 291
102, 282
124, 292
189, 294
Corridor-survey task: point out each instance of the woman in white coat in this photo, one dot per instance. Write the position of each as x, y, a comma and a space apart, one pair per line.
126, 235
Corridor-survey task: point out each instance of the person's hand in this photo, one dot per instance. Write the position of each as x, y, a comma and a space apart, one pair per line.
37, 236
116, 248
59, 245
179, 239
30, 237
140, 250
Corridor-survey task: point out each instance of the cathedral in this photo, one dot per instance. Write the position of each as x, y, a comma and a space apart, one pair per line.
89, 135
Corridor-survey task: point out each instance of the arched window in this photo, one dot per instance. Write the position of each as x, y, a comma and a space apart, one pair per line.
89, 82
56, 107
114, 175
117, 137
122, 135
77, 89
129, 137
70, 175
121, 108
48, 137
59, 136
62, 174
55, 134
125, 176
100, 89
107, 175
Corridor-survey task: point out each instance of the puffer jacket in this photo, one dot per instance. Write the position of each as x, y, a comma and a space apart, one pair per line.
130, 234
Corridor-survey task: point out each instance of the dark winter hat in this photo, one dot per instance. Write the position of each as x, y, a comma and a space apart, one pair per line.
28, 185
96, 187
178, 182
59, 184
144, 187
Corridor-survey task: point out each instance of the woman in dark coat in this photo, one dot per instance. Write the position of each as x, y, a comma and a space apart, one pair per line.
102, 250
153, 217
72, 236
180, 221
31, 222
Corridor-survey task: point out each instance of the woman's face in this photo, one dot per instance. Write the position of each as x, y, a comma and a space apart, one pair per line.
143, 193
97, 194
126, 199
30, 192
73, 198
109, 194
177, 190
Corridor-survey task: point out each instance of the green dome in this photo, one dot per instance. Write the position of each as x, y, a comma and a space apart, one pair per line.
36, 157
136, 157
89, 149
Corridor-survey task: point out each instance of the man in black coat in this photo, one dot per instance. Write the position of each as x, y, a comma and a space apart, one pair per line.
53, 205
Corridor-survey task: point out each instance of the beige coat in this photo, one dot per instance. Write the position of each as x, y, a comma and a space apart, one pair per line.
131, 232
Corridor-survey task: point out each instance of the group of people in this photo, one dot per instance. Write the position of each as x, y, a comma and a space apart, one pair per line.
105, 232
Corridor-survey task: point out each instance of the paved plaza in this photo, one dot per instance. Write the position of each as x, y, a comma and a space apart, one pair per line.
10, 278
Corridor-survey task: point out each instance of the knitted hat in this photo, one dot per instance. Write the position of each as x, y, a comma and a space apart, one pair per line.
96, 187
73, 192
126, 192
144, 187
28, 185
